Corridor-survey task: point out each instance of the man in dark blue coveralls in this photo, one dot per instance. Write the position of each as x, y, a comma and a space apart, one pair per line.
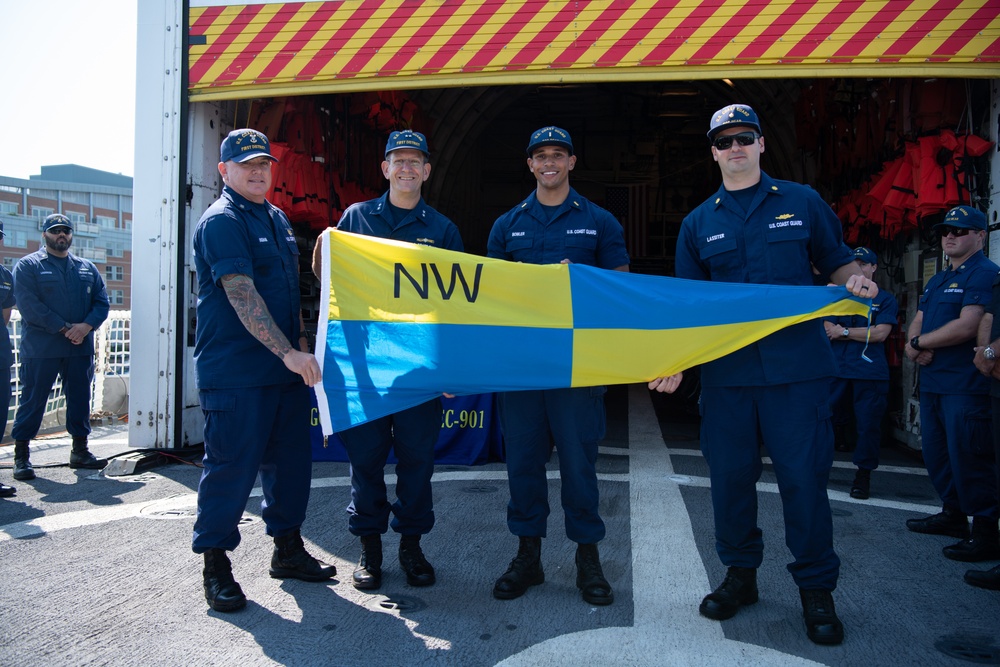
954, 396
7, 302
987, 353
62, 300
756, 229
861, 385
253, 385
555, 225
400, 214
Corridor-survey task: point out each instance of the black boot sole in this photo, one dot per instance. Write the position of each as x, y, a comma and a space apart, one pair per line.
289, 573
510, 595
24, 476
368, 584
226, 607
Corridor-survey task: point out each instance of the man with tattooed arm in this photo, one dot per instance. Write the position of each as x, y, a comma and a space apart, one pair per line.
253, 384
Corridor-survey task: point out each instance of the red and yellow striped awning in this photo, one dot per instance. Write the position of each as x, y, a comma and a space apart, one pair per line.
304, 47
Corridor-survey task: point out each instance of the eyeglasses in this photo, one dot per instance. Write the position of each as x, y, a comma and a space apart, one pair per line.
56, 231
954, 231
743, 139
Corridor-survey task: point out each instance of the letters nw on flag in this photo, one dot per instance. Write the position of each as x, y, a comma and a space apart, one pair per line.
401, 323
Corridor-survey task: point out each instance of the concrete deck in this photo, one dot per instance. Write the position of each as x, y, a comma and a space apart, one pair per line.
98, 571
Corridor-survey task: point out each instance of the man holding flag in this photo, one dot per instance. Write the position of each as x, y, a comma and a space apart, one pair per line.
756, 229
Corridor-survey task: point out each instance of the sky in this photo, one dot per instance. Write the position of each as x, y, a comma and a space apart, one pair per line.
69, 83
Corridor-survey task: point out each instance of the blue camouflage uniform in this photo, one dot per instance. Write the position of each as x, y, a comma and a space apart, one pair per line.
955, 430
863, 385
52, 292
256, 410
7, 300
411, 433
776, 391
574, 419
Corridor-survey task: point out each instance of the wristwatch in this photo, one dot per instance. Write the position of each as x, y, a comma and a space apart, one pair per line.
845, 333
915, 343
989, 353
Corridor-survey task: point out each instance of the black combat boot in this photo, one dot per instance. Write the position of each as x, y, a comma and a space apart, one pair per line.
983, 544
861, 488
984, 579
7, 491
368, 575
221, 591
411, 558
291, 560
524, 571
81, 457
22, 466
590, 577
948, 521
738, 589
822, 624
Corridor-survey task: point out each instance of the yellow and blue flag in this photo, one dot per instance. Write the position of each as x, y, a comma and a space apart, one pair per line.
401, 323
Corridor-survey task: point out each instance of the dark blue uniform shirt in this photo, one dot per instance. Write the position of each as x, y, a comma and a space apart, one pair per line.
579, 231
422, 225
237, 236
788, 230
850, 365
7, 300
50, 295
952, 371
995, 331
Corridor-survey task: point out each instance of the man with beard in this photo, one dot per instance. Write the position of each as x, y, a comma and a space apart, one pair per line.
62, 300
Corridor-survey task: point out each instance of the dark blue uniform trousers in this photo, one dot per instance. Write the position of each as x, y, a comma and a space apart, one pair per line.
251, 430
956, 442
37, 378
793, 421
868, 399
412, 435
575, 420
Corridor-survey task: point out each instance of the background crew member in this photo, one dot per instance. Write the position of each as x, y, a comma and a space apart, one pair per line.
252, 383
954, 396
861, 386
403, 215
6, 353
555, 224
777, 390
62, 300
986, 362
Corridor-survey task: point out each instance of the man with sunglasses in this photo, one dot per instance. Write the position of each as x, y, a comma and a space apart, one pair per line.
61, 298
756, 229
955, 430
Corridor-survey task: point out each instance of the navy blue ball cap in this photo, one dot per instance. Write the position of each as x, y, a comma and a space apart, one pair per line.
56, 220
407, 139
735, 115
964, 217
866, 255
550, 136
245, 144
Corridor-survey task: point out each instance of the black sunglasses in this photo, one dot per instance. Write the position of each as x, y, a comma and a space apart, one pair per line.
743, 139
55, 231
954, 231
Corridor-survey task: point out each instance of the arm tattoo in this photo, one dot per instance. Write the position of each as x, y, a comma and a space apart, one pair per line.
253, 313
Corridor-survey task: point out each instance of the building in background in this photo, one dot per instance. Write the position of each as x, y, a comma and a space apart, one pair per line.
98, 202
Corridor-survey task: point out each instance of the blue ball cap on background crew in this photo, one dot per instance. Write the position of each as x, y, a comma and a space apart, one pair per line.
56, 220
245, 144
407, 139
550, 136
964, 217
866, 255
735, 115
